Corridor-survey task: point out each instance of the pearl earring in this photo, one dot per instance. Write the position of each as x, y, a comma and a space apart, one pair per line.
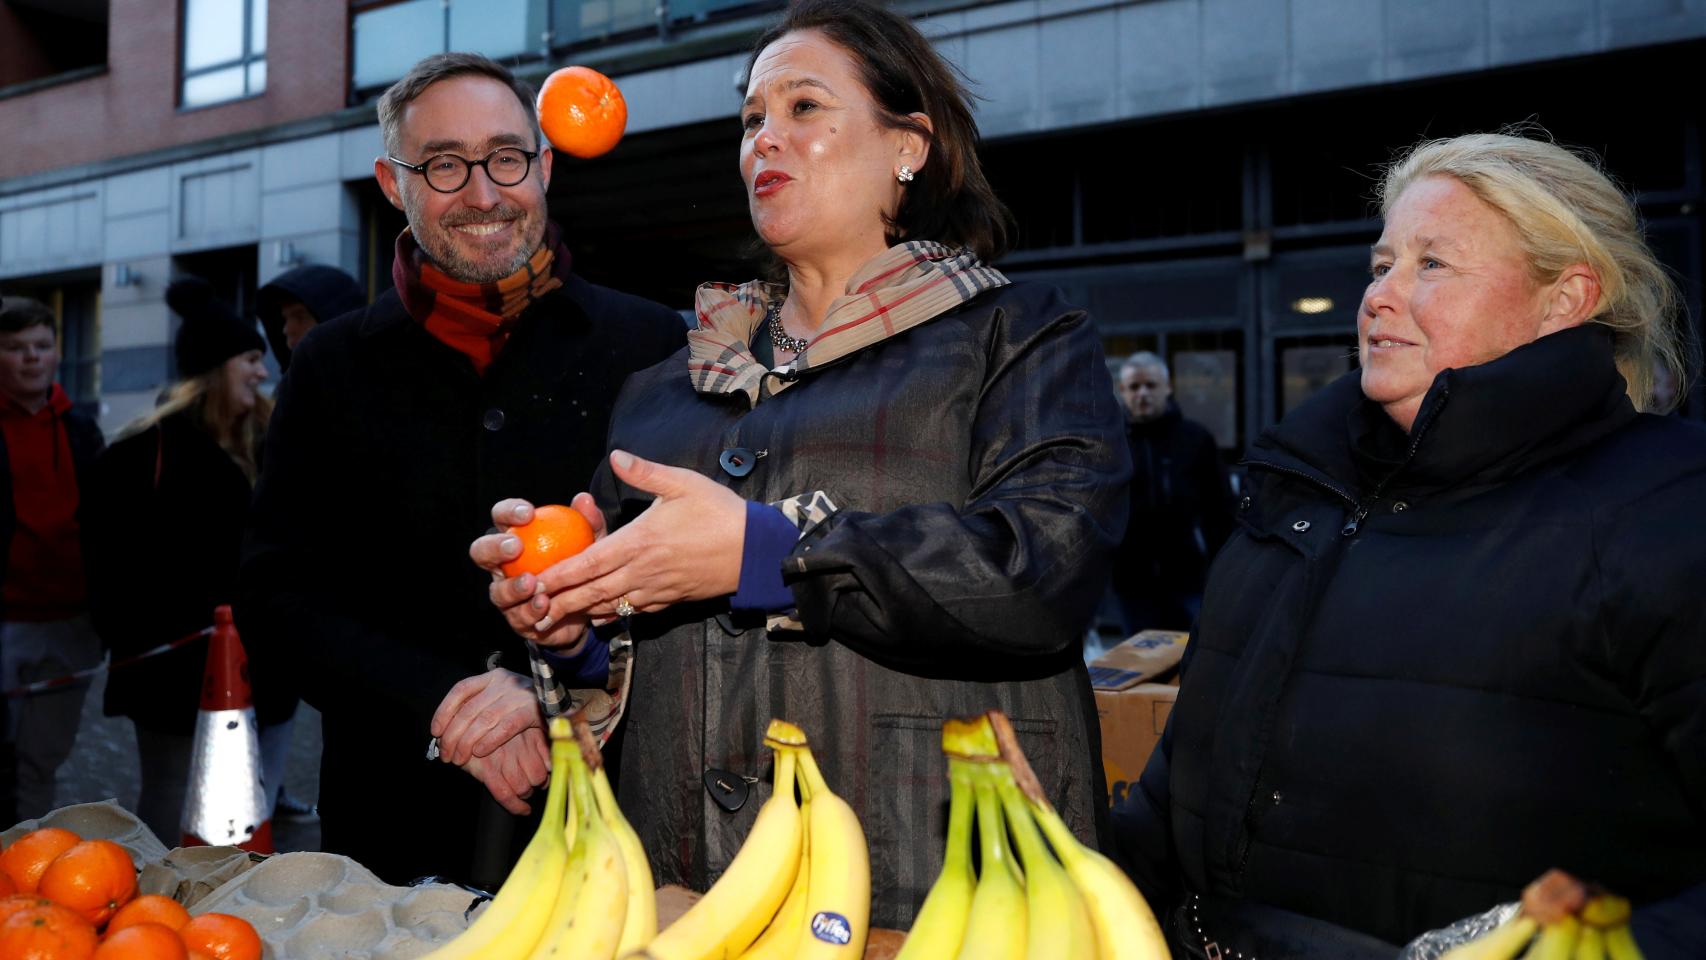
904, 175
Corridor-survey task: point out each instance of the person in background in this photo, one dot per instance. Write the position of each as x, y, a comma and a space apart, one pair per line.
298, 300
490, 367
1457, 639
47, 449
1181, 504
163, 530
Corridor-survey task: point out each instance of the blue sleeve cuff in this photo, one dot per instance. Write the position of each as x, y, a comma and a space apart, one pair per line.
770, 537
585, 670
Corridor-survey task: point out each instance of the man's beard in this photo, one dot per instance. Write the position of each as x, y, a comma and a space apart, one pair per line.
446, 253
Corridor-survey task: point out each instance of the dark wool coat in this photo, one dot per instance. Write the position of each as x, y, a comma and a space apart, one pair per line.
1178, 488
383, 460
979, 471
1430, 668
161, 555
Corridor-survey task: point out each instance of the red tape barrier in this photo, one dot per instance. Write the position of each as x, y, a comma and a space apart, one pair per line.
41, 686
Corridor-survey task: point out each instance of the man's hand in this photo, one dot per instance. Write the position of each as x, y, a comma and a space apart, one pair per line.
513, 770
481, 714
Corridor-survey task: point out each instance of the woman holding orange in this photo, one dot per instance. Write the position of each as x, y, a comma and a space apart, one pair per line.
878, 491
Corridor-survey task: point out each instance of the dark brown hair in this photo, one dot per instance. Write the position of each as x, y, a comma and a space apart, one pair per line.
21, 313
949, 201
443, 66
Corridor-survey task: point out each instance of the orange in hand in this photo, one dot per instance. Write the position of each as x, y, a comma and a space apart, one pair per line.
94, 878
27, 859
555, 533
46, 930
149, 908
582, 112
222, 936
142, 941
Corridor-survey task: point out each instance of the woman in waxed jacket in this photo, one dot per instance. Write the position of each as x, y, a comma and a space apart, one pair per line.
1460, 638
879, 494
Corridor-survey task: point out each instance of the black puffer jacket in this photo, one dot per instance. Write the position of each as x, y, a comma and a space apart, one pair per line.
327, 292
1429, 668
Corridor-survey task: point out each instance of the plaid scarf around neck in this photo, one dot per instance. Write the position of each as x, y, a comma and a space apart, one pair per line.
900, 288
475, 318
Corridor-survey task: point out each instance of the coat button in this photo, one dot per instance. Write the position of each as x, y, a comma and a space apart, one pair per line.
1244, 504
1277, 797
493, 420
1301, 526
739, 461
1399, 506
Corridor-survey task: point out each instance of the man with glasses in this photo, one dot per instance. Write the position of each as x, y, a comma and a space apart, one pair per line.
488, 372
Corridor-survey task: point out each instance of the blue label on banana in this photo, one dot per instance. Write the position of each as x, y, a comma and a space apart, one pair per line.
832, 928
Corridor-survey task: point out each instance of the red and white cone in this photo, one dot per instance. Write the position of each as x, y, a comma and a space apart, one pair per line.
226, 803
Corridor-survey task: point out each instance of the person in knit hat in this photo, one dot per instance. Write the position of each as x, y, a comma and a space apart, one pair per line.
163, 531
47, 448
298, 300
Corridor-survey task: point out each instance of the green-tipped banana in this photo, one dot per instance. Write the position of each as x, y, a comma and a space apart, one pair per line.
838, 892
1124, 926
940, 926
1500, 943
745, 898
996, 929
1620, 944
513, 922
1059, 924
1591, 945
1557, 941
640, 920
782, 937
592, 905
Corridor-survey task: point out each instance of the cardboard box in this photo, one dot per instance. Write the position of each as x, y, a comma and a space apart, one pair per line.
1132, 706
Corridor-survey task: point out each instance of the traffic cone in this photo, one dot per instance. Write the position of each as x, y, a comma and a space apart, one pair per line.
226, 803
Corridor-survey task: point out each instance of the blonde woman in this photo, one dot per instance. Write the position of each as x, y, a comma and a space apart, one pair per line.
163, 529
1458, 639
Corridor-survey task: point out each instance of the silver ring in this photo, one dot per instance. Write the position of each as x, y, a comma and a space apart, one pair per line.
623, 607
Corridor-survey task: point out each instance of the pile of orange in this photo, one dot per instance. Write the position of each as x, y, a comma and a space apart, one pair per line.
66, 898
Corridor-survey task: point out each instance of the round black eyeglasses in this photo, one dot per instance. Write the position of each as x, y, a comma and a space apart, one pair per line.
448, 173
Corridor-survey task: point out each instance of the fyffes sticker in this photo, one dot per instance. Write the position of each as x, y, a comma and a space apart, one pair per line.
832, 928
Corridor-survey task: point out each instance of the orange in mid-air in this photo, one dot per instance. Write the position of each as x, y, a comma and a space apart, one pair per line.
149, 908
47, 930
142, 941
582, 112
222, 936
94, 878
555, 533
27, 858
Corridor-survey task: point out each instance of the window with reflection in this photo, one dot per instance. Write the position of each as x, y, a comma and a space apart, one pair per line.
224, 51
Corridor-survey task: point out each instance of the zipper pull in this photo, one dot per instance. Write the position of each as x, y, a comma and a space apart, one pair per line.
1350, 527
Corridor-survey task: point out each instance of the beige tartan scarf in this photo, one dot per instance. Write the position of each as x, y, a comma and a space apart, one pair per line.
898, 289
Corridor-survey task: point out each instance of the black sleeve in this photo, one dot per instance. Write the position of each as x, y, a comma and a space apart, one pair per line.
340, 651
1017, 568
1214, 493
1143, 825
116, 512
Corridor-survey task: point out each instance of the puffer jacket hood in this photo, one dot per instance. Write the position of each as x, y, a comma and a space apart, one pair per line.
327, 292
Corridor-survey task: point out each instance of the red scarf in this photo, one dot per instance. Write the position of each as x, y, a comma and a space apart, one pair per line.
475, 318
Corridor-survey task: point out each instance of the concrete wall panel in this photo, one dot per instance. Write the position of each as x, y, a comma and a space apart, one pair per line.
147, 235
356, 152
142, 192
216, 202
1433, 37
297, 163
1080, 69
1160, 65
1244, 50
1005, 64
308, 209
141, 324
1334, 43
130, 369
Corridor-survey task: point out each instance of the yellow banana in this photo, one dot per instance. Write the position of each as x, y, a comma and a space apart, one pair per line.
838, 892
1605, 911
996, 927
515, 919
744, 899
587, 920
782, 937
1557, 941
1620, 944
1591, 946
1124, 926
640, 923
940, 926
1059, 924
1500, 943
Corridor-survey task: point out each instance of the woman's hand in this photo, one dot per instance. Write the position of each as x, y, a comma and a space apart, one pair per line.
522, 599
685, 546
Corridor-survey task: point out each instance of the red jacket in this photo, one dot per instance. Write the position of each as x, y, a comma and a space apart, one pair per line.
42, 454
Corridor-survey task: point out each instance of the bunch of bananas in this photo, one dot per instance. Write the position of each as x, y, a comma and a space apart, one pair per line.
1057, 899
800, 886
582, 889
1558, 921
